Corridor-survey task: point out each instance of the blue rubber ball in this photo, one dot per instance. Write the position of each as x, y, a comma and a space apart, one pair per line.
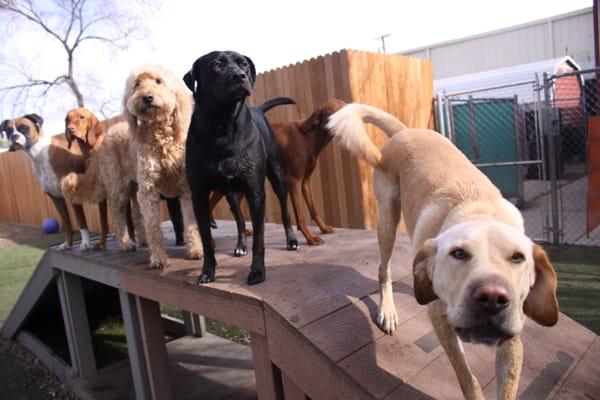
50, 225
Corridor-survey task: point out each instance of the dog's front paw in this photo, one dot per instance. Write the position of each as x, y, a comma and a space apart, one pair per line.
314, 241
127, 245
327, 229
194, 254
85, 246
292, 245
240, 250
101, 245
158, 262
388, 319
255, 276
64, 246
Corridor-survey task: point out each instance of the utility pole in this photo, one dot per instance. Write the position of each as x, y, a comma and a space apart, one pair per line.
382, 38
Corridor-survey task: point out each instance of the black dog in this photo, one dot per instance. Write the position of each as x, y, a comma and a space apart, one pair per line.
231, 148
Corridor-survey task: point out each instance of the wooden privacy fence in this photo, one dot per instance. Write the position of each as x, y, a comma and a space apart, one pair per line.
342, 185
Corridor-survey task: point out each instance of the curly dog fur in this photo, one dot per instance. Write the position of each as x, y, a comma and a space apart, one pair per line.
111, 168
158, 108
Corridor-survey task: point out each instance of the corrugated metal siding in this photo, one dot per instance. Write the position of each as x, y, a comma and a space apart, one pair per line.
523, 44
575, 37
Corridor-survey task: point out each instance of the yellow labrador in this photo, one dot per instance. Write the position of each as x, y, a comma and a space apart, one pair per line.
474, 267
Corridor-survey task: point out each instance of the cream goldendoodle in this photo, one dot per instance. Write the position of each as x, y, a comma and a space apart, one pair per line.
110, 169
158, 108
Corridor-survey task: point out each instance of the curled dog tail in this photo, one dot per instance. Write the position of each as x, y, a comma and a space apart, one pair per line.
347, 126
277, 101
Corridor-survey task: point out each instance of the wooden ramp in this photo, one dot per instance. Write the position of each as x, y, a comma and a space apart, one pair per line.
311, 325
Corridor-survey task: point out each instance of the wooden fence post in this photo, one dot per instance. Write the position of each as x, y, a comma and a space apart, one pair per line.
135, 346
195, 324
266, 382
77, 327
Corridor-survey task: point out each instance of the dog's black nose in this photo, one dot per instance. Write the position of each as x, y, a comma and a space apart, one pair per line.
148, 99
492, 298
241, 77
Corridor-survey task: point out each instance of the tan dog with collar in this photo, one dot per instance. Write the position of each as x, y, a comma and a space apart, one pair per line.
50, 163
474, 267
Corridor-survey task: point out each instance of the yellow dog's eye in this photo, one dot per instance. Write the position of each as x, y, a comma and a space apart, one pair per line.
460, 254
136, 84
158, 80
517, 257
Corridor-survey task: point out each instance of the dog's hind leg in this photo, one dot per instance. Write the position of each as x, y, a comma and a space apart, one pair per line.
61, 206
234, 205
174, 208
85, 233
119, 208
192, 239
454, 350
509, 360
296, 195
276, 177
102, 208
310, 202
389, 217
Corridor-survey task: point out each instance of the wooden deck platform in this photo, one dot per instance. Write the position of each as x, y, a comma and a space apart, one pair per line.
311, 323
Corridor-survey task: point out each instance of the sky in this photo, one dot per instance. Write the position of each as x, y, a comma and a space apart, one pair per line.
271, 33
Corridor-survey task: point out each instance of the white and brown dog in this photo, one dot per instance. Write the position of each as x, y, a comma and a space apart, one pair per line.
50, 163
474, 267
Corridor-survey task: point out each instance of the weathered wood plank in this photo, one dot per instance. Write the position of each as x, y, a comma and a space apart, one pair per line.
77, 327
93, 270
583, 382
302, 362
155, 351
291, 391
195, 299
52, 361
267, 385
195, 325
135, 346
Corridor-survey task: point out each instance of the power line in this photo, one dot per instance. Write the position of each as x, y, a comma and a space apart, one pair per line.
382, 38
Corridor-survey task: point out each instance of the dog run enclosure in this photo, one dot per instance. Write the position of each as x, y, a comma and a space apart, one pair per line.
311, 327
534, 131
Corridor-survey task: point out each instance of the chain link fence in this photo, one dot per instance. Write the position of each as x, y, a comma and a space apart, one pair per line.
531, 139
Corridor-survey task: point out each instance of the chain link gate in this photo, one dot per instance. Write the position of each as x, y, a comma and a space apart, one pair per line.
534, 140
499, 130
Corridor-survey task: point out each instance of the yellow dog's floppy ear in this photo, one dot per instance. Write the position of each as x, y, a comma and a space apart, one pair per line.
422, 282
541, 303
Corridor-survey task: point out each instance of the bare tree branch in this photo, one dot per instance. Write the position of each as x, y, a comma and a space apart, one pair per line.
72, 23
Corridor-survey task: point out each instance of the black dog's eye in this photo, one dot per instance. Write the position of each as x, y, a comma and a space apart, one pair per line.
217, 64
158, 80
460, 254
243, 64
517, 257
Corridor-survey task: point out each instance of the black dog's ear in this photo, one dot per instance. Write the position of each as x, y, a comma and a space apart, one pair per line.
252, 70
36, 119
189, 80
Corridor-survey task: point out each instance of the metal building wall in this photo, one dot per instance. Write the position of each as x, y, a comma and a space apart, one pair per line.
565, 34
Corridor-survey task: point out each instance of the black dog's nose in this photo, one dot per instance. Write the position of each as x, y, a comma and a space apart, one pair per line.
148, 99
241, 77
491, 298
